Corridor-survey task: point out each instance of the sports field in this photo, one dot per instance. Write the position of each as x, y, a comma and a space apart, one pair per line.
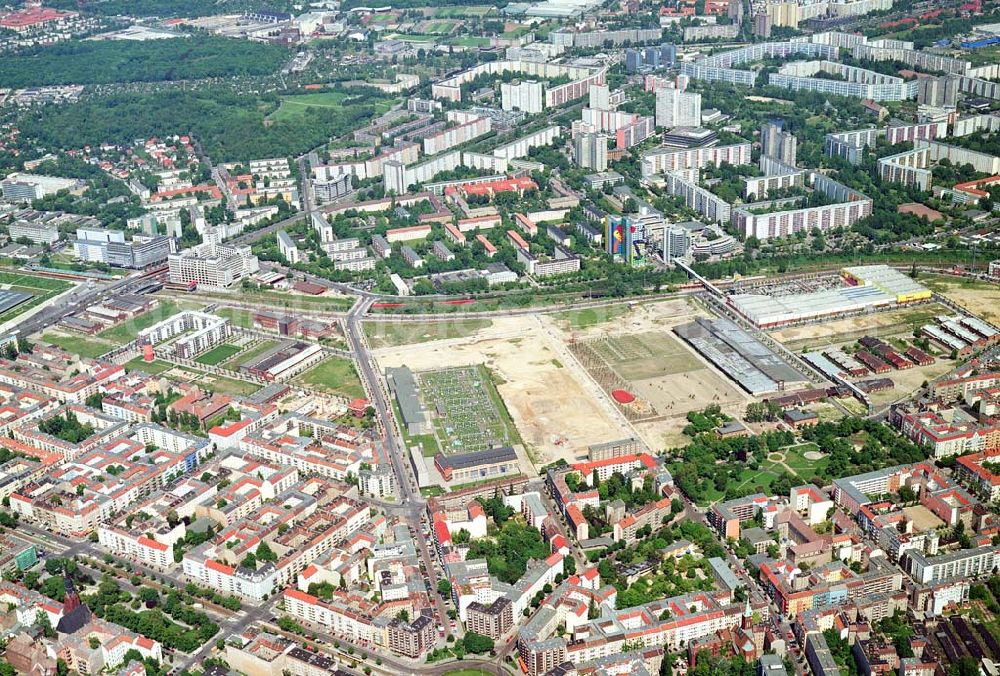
645, 355
469, 414
469, 41
334, 375
40, 288
218, 354
421, 38
437, 27
458, 12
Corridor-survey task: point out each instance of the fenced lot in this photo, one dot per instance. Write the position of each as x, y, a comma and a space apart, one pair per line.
468, 413
644, 355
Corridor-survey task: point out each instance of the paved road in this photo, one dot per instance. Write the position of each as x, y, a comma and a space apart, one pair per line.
411, 502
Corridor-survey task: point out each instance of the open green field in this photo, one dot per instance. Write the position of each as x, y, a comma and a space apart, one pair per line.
127, 330
334, 375
946, 283
236, 316
153, 368
207, 381
900, 322
458, 12
40, 288
84, 346
295, 107
472, 417
218, 354
803, 466
469, 41
645, 355
230, 386
516, 33
587, 317
391, 334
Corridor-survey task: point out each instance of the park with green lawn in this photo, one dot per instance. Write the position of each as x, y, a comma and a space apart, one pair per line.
710, 469
218, 354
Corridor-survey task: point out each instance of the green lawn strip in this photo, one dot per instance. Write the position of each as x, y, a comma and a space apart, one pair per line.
153, 368
587, 317
218, 354
427, 442
284, 300
41, 289
501, 406
33, 280
236, 316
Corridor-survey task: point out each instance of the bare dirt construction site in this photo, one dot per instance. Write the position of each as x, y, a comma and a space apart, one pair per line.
558, 404
977, 297
557, 412
660, 369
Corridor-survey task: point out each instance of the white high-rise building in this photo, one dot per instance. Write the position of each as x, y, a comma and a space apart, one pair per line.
212, 265
675, 108
591, 151
523, 95
287, 247
600, 97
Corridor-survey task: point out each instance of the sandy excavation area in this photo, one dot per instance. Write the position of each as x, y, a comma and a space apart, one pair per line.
880, 324
980, 298
556, 409
678, 379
